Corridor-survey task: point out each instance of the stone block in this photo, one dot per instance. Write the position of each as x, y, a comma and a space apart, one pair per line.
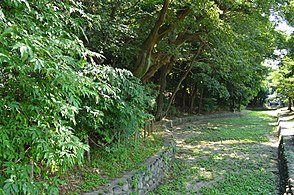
117, 190
125, 187
146, 180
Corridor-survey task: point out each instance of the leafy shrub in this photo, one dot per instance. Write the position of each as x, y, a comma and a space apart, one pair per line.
209, 104
52, 97
119, 108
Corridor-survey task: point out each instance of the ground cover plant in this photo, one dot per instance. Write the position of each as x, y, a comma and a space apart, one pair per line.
225, 156
108, 164
81, 74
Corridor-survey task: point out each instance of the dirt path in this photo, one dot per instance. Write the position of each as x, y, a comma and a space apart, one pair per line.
224, 156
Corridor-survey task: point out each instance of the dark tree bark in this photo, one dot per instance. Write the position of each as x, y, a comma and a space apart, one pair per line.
184, 98
143, 62
177, 89
182, 79
164, 61
233, 104
239, 103
200, 100
290, 103
158, 32
193, 97
161, 59
160, 97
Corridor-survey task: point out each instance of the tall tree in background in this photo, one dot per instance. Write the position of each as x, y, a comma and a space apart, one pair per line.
232, 36
283, 80
61, 76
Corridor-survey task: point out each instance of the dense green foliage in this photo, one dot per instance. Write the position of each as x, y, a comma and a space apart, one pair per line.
282, 81
225, 40
282, 77
66, 72
52, 98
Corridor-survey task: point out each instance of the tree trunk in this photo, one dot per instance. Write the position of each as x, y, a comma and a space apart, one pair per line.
177, 89
200, 100
155, 67
290, 104
143, 62
233, 104
164, 59
158, 32
181, 80
160, 97
184, 99
239, 103
193, 97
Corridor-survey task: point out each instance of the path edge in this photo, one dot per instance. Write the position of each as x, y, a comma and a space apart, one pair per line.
154, 169
286, 156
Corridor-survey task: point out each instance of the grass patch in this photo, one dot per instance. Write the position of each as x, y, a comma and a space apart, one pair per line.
225, 156
125, 156
110, 164
244, 182
250, 128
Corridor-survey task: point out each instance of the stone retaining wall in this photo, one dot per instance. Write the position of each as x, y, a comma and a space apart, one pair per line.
285, 181
149, 176
286, 156
146, 178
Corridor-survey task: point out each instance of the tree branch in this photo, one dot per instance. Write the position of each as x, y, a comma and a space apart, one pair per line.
188, 70
154, 32
143, 62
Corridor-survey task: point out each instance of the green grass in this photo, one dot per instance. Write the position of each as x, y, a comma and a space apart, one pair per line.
126, 156
225, 156
110, 164
244, 182
90, 181
249, 128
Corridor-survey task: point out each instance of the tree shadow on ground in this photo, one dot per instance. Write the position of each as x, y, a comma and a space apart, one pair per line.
224, 156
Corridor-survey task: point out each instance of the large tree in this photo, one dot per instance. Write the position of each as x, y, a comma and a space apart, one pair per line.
230, 35
283, 80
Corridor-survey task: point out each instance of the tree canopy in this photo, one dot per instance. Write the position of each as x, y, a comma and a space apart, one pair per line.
77, 70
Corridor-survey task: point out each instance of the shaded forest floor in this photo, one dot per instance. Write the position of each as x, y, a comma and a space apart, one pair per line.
225, 156
107, 165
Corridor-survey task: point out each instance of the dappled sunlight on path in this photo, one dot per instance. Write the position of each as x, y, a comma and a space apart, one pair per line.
221, 155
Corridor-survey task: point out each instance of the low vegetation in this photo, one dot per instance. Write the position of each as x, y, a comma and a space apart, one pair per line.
108, 164
226, 156
77, 75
